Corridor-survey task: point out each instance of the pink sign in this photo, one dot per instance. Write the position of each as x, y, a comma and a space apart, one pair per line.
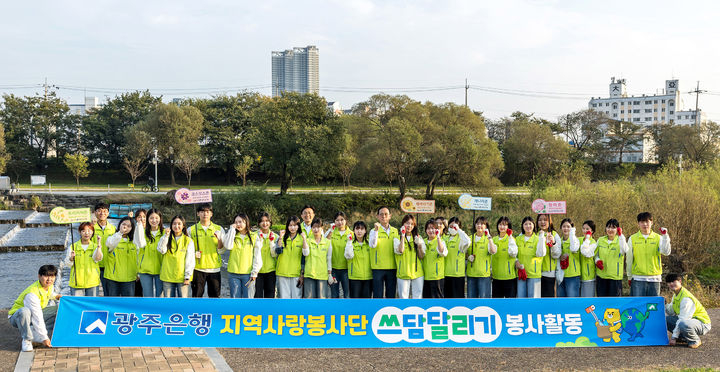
187, 196
540, 206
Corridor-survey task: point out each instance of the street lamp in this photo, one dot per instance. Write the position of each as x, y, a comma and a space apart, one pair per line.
155, 161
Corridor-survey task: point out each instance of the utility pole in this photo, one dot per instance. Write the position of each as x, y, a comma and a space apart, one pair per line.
697, 92
466, 91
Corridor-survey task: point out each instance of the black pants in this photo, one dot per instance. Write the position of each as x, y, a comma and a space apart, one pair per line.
547, 287
198, 284
434, 288
608, 287
361, 288
504, 288
454, 287
138, 289
265, 285
384, 281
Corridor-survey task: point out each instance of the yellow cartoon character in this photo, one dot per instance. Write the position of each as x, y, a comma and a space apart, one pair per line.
612, 319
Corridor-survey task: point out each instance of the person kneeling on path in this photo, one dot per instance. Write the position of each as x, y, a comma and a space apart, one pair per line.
30, 314
686, 316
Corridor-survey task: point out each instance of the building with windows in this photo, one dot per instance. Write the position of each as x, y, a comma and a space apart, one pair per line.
83, 108
645, 110
296, 70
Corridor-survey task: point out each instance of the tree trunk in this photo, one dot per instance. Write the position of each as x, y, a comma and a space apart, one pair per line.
189, 177
172, 173
228, 172
244, 177
284, 183
402, 186
77, 181
430, 188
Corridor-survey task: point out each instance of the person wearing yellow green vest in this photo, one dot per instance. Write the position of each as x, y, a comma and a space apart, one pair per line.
457, 243
567, 272
266, 279
357, 253
587, 260
686, 317
307, 213
207, 237
645, 248
317, 251
82, 257
531, 250
479, 257
245, 258
30, 313
609, 260
504, 284
544, 222
103, 230
339, 235
434, 262
288, 251
382, 239
150, 259
409, 252
178, 259
121, 261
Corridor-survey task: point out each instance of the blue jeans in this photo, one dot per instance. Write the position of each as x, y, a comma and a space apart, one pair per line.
87, 292
315, 288
151, 285
570, 287
587, 288
120, 289
389, 279
342, 280
640, 288
175, 289
479, 287
237, 284
22, 320
690, 329
104, 283
529, 288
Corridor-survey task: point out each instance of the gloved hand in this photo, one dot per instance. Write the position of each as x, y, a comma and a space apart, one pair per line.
487, 233
332, 226
663, 231
564, 262
402, 230
332, 280
619, 230
522, 274
471, 258
600, 265
630, 283
509, 232
272, 236
418, 240
350, 237
278, 250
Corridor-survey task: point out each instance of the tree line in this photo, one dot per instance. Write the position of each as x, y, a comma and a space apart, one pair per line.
295, 138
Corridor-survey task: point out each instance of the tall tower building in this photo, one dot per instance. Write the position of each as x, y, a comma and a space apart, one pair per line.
296, 70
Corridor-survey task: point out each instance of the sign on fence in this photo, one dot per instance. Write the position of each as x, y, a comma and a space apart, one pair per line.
356, 323
410, 205
60, 215
474, 203
540, 206
187, 196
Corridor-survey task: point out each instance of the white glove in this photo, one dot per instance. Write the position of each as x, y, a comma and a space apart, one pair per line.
471, 258
418, 240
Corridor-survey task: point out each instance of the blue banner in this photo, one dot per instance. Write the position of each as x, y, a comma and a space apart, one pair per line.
356, 323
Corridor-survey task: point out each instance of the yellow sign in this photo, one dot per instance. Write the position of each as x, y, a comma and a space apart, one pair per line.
410, 205
61, 215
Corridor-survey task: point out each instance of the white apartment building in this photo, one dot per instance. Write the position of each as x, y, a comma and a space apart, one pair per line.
83, 108
296, 70
645, 110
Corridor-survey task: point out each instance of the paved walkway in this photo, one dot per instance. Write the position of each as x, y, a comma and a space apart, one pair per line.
155, 359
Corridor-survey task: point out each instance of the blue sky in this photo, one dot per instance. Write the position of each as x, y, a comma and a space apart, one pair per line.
569, 49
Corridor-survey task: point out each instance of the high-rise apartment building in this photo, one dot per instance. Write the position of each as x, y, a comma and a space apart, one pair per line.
296, 70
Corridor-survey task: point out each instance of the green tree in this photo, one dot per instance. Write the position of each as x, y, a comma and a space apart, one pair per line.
77, 164
697, 144
347, 161
175, 132
297, 137
4, 156
243, 167
103, 129
226, 135
621, 136
189, 161
137, 150
584, 131
533, 152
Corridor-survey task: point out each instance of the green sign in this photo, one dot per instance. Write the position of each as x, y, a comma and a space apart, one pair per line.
61, 215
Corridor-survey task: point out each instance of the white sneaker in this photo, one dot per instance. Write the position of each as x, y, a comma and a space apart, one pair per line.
27, 345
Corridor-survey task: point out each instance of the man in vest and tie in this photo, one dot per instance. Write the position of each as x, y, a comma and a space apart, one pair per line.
686, 316
29, 313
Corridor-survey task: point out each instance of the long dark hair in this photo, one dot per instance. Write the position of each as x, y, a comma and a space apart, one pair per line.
172, 233
148, 234
414, 232
266, 215
245, 218
297, 221
364, 226
132, 228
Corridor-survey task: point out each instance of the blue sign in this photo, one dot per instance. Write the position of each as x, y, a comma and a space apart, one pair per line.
357, 323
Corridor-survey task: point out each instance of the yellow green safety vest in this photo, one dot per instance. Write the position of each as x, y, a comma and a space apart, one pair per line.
480, 268
646, 254
408, 263
241, 256
289, 261
359, 266
433, 262
455, 260
316, 265
268, 260
700, 312
339, 240
503, 266
549, 263
613, 260
382, 257
526, 255
85, 272
573, 269
587, 264
150, 258
38, 290
103, 235
121, 265
206, 242
173, 262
